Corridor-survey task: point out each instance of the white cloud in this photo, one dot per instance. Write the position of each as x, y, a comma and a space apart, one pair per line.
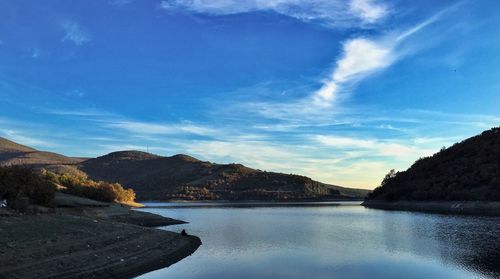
391, 127
343, 142
367, 10
147, 128
75, 33
326, 95
374, 147
332, 13
360, 57
363, 56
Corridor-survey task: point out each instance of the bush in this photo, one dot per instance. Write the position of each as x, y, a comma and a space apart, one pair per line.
17, 182
82, 186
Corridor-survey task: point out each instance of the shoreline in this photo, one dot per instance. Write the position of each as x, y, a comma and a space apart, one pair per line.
252, 201
88, 242
477, 208
247, 204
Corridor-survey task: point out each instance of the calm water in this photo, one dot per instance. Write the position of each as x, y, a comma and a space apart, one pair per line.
324, 240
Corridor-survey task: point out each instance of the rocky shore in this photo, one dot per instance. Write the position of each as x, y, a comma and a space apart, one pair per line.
442, 207
88, 242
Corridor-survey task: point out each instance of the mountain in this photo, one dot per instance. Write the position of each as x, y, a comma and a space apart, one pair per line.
184, 177
12, 153
466, 171
155, 177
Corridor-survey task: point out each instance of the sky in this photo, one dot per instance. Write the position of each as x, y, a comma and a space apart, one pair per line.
340, 91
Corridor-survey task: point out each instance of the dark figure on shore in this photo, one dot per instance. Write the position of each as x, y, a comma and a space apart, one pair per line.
184, 233
4, 201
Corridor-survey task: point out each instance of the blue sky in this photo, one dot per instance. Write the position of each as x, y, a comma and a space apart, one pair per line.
341, 91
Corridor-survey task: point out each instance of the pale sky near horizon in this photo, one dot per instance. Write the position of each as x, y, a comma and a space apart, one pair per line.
341, 91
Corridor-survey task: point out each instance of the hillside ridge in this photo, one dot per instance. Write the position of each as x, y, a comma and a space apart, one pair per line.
11, 146
155, 177
467, 171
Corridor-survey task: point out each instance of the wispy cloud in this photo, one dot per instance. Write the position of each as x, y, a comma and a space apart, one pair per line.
342, 142
391, 127
360, 58
331, 13
78, 112
375, 147
110, 120
148, 128
407, 33
24, 139
363, 56
75, 33
258, 154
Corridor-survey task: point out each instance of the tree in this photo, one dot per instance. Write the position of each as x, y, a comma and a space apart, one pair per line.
392, 173
17, 182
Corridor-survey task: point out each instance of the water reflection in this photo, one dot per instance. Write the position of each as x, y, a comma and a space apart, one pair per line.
467, 241
325, 241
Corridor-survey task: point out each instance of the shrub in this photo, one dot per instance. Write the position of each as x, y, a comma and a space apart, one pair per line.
81, 185
17, 182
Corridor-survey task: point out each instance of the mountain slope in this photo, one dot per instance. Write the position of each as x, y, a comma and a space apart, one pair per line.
185, 177
7, 146
180, 176
469, 170
12, 153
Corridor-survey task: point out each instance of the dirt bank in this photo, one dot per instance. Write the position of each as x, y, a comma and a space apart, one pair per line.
64, 245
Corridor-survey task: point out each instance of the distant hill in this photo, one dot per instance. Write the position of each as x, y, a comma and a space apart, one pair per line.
466, 171
12, 153
185, 177
180, 176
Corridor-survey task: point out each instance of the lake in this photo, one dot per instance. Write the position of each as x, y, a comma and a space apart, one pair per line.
330, 240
